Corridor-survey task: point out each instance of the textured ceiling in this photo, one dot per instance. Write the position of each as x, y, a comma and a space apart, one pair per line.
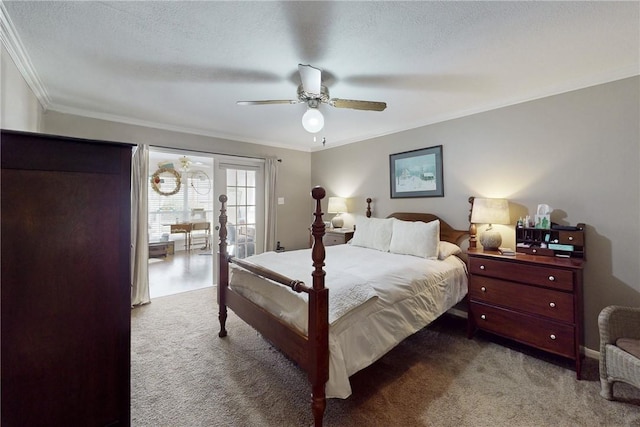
183, 65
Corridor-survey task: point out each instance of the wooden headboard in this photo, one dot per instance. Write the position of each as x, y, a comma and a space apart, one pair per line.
447, 232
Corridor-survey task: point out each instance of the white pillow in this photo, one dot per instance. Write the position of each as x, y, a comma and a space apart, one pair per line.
446, 249
373, 233
416, 238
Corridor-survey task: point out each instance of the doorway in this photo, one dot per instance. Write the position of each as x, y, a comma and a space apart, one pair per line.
180, 221
183, 210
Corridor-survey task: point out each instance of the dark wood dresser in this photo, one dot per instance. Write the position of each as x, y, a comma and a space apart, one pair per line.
66, 297
535, 300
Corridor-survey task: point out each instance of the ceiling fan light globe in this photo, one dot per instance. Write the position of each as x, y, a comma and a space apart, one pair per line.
313, 120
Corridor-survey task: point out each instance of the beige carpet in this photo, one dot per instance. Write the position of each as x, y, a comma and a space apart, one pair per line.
182, 374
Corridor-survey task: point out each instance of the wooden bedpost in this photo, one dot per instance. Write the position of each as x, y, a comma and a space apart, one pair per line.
318, 316
472, 227
368, 207
223, 268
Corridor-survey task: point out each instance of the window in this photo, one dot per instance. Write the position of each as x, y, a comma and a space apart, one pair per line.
165, 210
241, 179
192, 203
241, 212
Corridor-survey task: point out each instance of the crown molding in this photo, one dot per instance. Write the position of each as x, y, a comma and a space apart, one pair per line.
19, 55
58, 108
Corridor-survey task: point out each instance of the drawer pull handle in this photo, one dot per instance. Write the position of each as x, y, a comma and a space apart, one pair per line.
483, 317
552, 336
551, 278
482, 267
570, 238
552, 304
483, 289
534, 251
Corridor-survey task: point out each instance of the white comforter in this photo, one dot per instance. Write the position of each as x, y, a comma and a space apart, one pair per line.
376, 299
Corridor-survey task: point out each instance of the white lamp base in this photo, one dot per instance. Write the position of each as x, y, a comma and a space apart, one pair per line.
337, 221
490, 240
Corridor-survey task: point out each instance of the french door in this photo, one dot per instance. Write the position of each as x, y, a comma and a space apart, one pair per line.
242, 181
204, 180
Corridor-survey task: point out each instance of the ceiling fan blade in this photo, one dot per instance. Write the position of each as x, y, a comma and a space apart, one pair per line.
269, 101
311, 78
358, 105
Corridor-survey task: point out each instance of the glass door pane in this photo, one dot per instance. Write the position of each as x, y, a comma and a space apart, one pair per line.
241, 212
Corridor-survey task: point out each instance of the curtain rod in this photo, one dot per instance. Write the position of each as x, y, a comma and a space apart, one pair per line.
209, 152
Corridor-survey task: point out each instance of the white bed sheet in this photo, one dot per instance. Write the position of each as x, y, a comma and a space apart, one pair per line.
393, 297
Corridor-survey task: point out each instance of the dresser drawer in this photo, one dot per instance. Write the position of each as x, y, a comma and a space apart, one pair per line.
544, 302
546, 335
525, 273
536, 251
333, 239
337, 237
571, 238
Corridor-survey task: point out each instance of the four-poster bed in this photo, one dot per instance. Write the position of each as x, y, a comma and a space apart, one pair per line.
379, 296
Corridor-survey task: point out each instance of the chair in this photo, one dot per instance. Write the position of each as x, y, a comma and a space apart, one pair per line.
240, 240
619, 347
200, 232
198, 214
245, 240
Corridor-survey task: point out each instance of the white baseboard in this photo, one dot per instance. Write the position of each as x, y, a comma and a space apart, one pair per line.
457, 312
592, 354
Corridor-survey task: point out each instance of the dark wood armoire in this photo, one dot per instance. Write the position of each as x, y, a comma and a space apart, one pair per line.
65, 283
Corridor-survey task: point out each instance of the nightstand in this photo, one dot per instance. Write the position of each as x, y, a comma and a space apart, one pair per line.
535, 300
337, 236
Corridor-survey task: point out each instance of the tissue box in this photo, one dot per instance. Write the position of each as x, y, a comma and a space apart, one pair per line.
543, 221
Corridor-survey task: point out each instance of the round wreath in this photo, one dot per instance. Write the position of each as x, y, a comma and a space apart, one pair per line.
155, 181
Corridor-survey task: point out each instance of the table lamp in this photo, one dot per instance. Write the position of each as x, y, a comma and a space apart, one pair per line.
337, 205
490, 211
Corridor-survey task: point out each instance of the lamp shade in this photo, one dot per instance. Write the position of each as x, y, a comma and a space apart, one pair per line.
313, 120
490, 211
337, 205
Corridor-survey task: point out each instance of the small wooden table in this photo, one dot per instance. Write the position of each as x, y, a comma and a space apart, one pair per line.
187, 228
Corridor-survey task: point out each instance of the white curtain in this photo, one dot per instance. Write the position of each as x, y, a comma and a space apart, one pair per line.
270, 203
140, 227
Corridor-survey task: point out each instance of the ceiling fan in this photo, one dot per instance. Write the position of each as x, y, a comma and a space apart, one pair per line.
313, 93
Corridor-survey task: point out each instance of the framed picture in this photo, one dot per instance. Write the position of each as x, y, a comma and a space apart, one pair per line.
417, 173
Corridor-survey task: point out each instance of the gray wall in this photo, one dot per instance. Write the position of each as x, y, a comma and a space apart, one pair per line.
22, 111
19, 107
579, 152
294, 182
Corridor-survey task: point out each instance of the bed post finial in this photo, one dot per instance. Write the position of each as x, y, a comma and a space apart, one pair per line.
317, 230
369, 207
222, 232
472, 227
223, 267
318, 316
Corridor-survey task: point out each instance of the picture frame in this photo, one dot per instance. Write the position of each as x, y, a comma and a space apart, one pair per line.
417, 173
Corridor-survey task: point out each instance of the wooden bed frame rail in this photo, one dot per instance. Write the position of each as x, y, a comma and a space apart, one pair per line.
310, 352
295, 285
